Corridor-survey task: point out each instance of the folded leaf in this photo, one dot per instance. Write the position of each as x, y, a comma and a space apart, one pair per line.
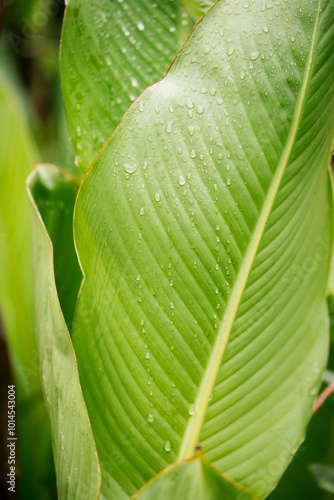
204, 231
76, 462
110, 52
195, 479
54, 195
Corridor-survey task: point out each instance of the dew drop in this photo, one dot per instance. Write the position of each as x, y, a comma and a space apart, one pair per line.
157, 197
130, 168
150, 418
254, 55
167, 446
191, 410
134, 82
182, 180
140, 26
191, 130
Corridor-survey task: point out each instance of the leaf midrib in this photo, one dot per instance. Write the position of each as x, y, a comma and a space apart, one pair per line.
205, 389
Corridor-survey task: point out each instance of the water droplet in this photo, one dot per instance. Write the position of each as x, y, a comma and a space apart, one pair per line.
167, 446
191, 410
142, 211
150, 418
130, 168
191, 130
265, 29
182, 180
171, 305
147, 355
190, 104
193, 153
228, 182
134, 82
140, 26
254, 55
157, 197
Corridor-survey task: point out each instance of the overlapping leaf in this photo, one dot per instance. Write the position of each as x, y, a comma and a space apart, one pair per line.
52, 194
204, 231
112, 51
195, 479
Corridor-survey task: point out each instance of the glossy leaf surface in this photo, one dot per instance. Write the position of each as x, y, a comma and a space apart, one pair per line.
204, 231
78, 474
111, 51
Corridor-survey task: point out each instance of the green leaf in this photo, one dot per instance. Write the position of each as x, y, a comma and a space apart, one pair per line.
197, 7
323, 476
110, 52
16, 300
76, 462
15, 256
195, 479
204, 232
54, 195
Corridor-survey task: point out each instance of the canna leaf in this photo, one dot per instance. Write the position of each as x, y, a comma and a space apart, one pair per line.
36, 479
193, 478
52, 193
204, 232
110, 52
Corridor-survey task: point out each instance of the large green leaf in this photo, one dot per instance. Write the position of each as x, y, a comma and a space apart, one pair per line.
36, 477
194, 478
204, 231
76, 462
111, 51
54, 195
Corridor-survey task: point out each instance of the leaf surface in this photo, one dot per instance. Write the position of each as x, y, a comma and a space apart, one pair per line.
16, 300
111, 51
204, 231
195, 479
78, 474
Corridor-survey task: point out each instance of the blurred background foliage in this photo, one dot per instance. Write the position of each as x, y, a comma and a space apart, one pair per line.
31, 100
